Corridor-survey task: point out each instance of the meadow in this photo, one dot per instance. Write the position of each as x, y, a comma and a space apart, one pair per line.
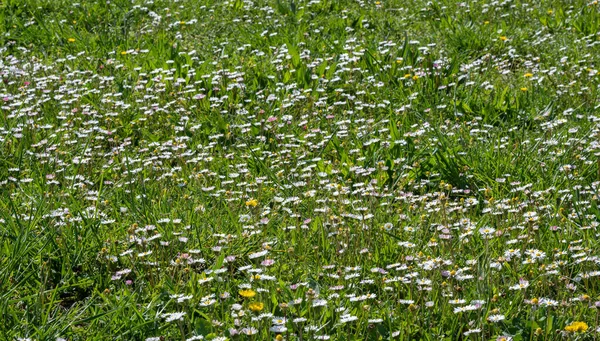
299, 170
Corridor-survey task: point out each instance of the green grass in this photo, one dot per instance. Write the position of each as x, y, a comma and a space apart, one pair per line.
369, 170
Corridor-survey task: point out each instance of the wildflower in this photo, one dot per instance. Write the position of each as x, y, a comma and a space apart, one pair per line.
195, 338
267, 262
207, 302
247, 293
71, 40
347, 318
496, 318
528, 75
258, 254
546, 302
536, 254
252, 203
170, 317
472, 331
319, 303
249, 331
523, 284
487, 232
256, 306
279, 320
504, 338
278, 329
577, 327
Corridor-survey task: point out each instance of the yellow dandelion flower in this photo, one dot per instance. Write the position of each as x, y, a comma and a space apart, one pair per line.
523, 89
528, 75
503, 38
577, 327
252, 202
256, 306
71, 40
247, 293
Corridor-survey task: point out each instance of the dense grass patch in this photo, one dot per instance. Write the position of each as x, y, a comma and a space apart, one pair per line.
299, 170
